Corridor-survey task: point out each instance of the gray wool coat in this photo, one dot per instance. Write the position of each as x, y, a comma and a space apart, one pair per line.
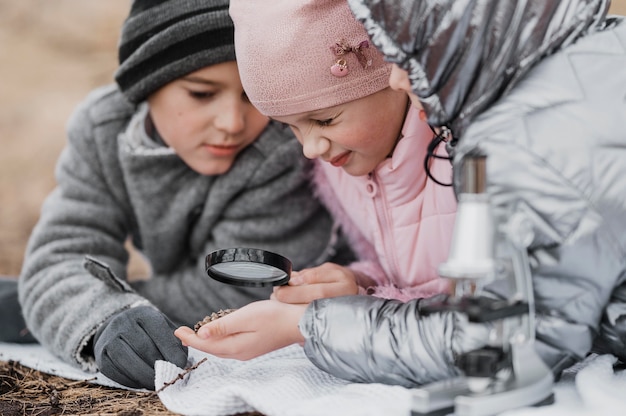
540, 88
112, 187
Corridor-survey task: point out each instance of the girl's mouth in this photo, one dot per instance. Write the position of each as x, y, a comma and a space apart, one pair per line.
340, 160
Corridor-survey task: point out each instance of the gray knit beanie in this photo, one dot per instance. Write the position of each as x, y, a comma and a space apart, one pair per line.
163, 40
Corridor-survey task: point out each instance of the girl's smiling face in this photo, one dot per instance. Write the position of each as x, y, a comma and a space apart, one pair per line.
206, 118
356, 136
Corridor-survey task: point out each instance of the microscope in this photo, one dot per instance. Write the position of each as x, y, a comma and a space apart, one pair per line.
506, 373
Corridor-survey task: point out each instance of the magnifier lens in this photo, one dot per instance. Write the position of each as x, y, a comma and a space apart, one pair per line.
248, 267
246, 270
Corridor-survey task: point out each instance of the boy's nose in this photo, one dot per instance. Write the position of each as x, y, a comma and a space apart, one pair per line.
231, 118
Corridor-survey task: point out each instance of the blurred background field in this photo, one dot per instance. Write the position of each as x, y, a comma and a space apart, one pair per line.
52, 53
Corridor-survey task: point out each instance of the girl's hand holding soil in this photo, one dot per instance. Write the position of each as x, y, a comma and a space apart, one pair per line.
253, 330
326, 281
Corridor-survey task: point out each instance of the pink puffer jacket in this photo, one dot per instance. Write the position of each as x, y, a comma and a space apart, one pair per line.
398, 221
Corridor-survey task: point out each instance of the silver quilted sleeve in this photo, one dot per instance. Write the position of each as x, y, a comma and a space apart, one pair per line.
373, 340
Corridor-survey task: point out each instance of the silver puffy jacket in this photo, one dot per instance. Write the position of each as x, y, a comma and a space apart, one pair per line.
540, 87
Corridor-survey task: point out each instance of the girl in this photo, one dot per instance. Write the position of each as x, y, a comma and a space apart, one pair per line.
368, 141
175, 158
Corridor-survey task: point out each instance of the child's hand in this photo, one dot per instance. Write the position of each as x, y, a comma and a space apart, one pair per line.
250, 331
326, 281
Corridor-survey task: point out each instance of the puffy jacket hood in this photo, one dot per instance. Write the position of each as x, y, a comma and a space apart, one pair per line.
462, 55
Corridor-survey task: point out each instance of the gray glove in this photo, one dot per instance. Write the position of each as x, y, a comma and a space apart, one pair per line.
12, 325
130, 342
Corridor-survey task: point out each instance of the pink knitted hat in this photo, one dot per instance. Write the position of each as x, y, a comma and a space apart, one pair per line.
296, 56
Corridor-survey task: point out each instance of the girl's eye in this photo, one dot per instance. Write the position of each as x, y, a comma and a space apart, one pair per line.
324, 123
202, 95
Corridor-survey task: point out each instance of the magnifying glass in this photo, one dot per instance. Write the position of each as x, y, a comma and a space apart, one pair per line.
248, 267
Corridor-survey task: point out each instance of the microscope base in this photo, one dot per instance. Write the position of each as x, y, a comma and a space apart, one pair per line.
437, 399
453, 397
539, 393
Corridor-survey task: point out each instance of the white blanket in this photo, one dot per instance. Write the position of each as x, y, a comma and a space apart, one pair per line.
286, 383
283, 382
590, 388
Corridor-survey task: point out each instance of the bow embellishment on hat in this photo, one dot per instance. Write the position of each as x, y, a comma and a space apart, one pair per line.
340, 49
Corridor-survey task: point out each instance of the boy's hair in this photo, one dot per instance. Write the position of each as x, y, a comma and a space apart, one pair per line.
163, 40
290, 55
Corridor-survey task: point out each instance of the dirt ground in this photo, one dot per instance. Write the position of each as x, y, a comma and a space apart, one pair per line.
52, 53
24, 391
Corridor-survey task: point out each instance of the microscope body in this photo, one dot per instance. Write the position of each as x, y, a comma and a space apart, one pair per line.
505, 373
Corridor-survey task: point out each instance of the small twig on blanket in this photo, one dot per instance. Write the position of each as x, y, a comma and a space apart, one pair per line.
181, 375
75, 383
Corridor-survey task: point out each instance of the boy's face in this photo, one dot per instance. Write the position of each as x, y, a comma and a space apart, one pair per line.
355, 136
206, 118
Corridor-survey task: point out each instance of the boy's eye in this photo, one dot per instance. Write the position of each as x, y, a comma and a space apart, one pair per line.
324, 122
200, 95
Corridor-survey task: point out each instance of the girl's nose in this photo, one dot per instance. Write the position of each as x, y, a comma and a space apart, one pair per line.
314, 146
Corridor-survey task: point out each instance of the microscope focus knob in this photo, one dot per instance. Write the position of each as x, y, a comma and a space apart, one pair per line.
482, 362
